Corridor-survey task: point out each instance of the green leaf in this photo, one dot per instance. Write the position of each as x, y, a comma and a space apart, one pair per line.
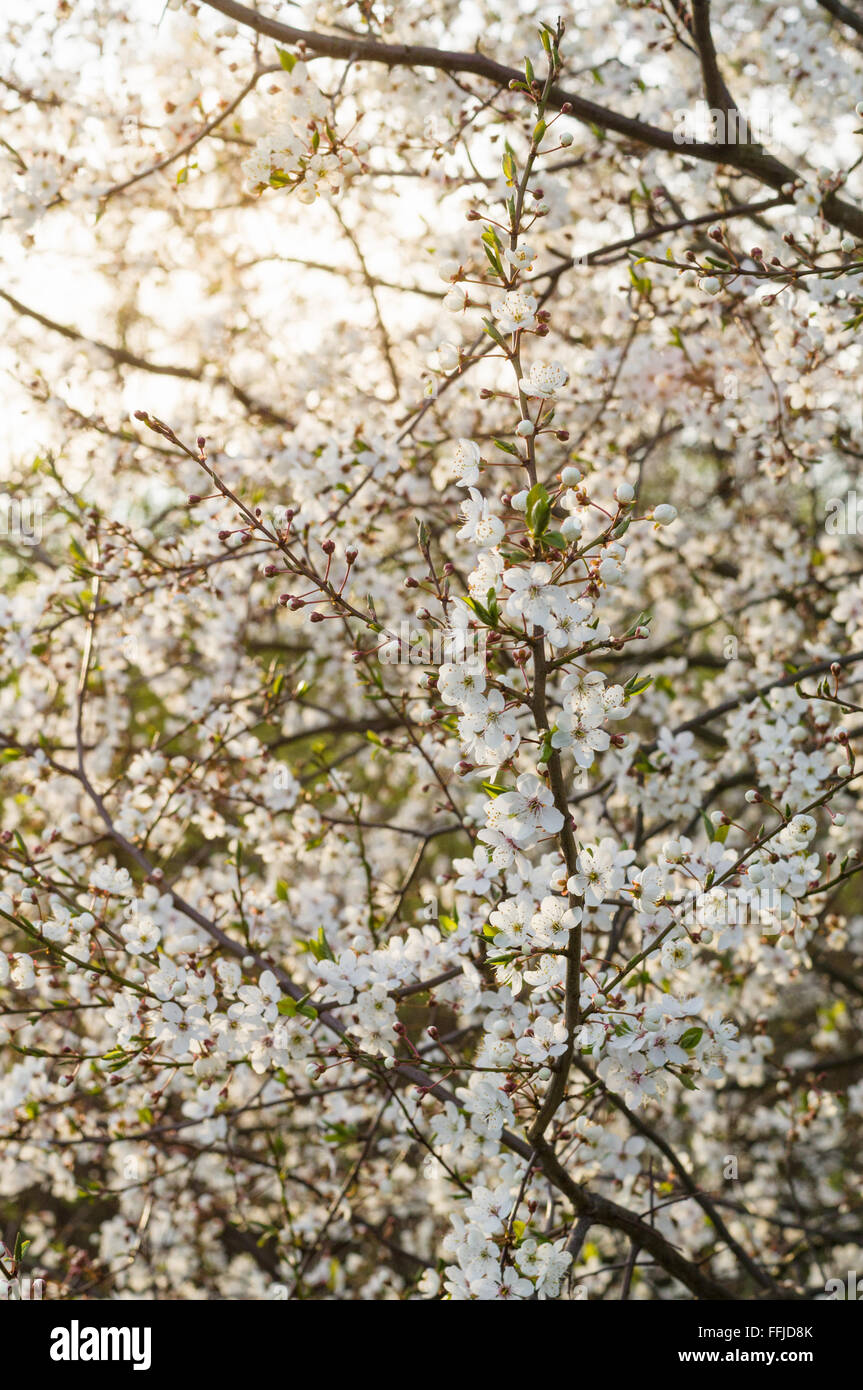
494, 333
641, 283
643, 764
535, 495
320, 947
691, 1038
541, 516
493, 260
287, 60
636, 684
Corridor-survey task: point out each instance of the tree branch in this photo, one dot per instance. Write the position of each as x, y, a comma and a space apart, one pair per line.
747, 159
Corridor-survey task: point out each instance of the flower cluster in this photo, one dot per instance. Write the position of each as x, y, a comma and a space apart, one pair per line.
301, 150
430, 814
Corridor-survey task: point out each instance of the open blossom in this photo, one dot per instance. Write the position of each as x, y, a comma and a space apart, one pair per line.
601, 870
544, 379
547, 1264
465, 463
544, 1041
475, 875
676, 953
522, 258
532, 595
141, 934
107, 878
634, 1078
480, 524
514, 311
570, 627
490, 1108
551, 925
462, 683
505, 852
510, 920
580, 731
497, 725
526, 812
486, 574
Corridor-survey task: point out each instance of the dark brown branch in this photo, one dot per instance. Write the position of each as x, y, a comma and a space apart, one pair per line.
718, 95
843, 12
121, 357
748, 159
818, 668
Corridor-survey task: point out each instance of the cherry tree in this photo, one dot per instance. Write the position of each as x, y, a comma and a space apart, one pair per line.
432, 620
